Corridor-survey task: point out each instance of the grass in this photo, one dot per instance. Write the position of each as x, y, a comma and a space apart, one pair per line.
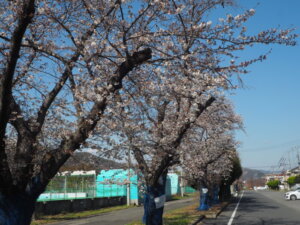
179, 197
68, 216
187, 215
182, 216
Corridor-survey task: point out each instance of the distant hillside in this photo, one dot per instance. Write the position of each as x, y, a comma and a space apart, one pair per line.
88, 161
252, 174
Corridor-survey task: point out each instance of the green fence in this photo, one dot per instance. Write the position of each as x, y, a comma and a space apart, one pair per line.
70, 187
106, 184
189, 190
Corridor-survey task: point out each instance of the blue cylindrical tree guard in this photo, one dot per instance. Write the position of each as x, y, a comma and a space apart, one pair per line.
203, 199
154, 199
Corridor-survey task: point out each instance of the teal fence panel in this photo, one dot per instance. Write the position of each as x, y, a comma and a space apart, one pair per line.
113, 183
189, 190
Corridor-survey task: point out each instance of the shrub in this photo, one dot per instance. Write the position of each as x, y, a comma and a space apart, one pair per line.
293, 180
273, 184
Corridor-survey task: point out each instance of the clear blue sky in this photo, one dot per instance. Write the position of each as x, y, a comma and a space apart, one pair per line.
270, 103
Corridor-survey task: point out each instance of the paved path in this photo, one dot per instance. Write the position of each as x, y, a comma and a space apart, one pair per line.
259, 208
124, 216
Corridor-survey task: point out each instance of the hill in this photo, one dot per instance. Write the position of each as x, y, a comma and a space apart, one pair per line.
88, 161
252, 174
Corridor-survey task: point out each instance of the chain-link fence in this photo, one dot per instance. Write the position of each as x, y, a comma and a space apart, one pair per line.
67, 187
70, 187
110, 190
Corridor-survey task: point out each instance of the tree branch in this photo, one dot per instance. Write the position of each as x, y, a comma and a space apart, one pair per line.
186, 125
24, 20
55, 159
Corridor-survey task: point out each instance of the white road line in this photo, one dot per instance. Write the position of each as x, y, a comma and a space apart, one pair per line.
234, 212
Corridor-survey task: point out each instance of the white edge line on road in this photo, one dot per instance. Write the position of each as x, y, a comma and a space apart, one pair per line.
234, 212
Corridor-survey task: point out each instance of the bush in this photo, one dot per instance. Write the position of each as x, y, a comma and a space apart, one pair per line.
293, 180
273, 184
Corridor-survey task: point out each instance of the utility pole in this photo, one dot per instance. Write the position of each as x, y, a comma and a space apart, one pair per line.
181, 183
298, 157
129, 176
289, 160
65, 186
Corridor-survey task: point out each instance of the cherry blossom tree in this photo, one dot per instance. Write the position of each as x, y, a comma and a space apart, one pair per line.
208, 173
61, 63
209, 149
158, 107
66, 65
162, 102
235, 174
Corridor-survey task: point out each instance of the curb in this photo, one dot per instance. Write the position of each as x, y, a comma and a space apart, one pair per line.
215, 215
197, 221
210, 215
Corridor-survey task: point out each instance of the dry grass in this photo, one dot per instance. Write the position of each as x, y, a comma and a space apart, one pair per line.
187, 215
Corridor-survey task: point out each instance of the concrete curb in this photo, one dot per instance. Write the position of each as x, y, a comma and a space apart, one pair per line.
197, 221
210, 215
215, 215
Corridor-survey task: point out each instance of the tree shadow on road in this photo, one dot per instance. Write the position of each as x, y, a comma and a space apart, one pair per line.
254, 204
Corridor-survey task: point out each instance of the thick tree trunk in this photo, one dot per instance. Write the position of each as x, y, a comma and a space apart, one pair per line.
16, 208
221, 193
215, 195
154, 202
17, 205
224, 193
203, 197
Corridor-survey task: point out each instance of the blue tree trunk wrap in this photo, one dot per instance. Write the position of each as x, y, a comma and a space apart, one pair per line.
154, 202
203, 198
17, 207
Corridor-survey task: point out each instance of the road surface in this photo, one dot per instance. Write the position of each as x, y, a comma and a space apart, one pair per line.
124, 216
259, 208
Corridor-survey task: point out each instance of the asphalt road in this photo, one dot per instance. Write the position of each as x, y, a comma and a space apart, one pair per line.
124, 216
259, 208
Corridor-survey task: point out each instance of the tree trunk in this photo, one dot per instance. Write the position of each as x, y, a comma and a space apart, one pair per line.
16, 208
154, 200
224, 193
215, 195
203, 197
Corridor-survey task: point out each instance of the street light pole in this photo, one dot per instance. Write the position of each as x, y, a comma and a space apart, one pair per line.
181, 183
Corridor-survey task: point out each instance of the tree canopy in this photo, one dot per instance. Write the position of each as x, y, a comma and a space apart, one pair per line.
111, 75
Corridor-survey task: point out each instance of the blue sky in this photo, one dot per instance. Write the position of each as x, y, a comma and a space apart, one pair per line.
270, 102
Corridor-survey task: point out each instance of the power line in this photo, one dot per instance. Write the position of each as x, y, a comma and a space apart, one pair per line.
271, 147
257, 167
